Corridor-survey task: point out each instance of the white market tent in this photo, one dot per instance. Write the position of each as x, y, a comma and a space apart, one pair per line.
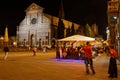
77, 38
73, 41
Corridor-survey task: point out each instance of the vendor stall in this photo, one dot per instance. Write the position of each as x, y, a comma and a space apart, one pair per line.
70, 46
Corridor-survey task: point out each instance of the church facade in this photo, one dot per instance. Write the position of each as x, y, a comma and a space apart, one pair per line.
35, 29
38, 29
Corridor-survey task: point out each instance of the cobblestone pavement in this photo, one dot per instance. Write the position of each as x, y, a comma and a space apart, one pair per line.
25, 66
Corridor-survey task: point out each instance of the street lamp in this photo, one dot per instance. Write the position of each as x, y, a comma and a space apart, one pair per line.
1, 41
115, 17
107, 32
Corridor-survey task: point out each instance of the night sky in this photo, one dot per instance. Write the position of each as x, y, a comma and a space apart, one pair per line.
78, 11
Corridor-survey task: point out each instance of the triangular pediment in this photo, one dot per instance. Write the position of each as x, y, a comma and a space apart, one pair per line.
34, 6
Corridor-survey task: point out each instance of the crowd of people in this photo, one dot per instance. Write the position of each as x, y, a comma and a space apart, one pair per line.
77, 53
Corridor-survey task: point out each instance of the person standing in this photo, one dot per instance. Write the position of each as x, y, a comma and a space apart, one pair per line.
6, 50
112, 70
88, 57
44, 49
34, 51
61, 52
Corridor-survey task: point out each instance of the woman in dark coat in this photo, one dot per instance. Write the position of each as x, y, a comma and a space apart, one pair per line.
112, 70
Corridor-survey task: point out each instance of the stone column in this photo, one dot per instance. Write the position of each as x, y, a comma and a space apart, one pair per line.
6, 39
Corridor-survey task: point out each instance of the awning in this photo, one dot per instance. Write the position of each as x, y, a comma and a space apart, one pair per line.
77, 38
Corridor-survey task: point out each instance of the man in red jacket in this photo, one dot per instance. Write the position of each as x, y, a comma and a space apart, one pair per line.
88, 57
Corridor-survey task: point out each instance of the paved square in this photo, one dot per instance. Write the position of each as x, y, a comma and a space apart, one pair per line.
25, 66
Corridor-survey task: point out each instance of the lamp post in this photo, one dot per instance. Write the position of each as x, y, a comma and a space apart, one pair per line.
40, 43
117, 34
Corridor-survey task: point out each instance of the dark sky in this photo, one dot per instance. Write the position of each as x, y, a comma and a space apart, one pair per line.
78, 11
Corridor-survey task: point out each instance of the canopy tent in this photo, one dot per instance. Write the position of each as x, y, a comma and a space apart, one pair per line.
77, 38
71, 42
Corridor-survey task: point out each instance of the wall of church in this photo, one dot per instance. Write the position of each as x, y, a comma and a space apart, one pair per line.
34, 34
54, 21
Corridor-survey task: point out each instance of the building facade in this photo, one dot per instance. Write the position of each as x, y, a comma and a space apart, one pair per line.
113, 11
35, 29
38, 28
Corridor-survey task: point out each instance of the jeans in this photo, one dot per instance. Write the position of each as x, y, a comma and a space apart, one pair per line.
87, 63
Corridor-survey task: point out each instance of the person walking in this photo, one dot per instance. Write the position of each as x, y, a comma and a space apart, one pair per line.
88, 57
112, 70
6, 50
